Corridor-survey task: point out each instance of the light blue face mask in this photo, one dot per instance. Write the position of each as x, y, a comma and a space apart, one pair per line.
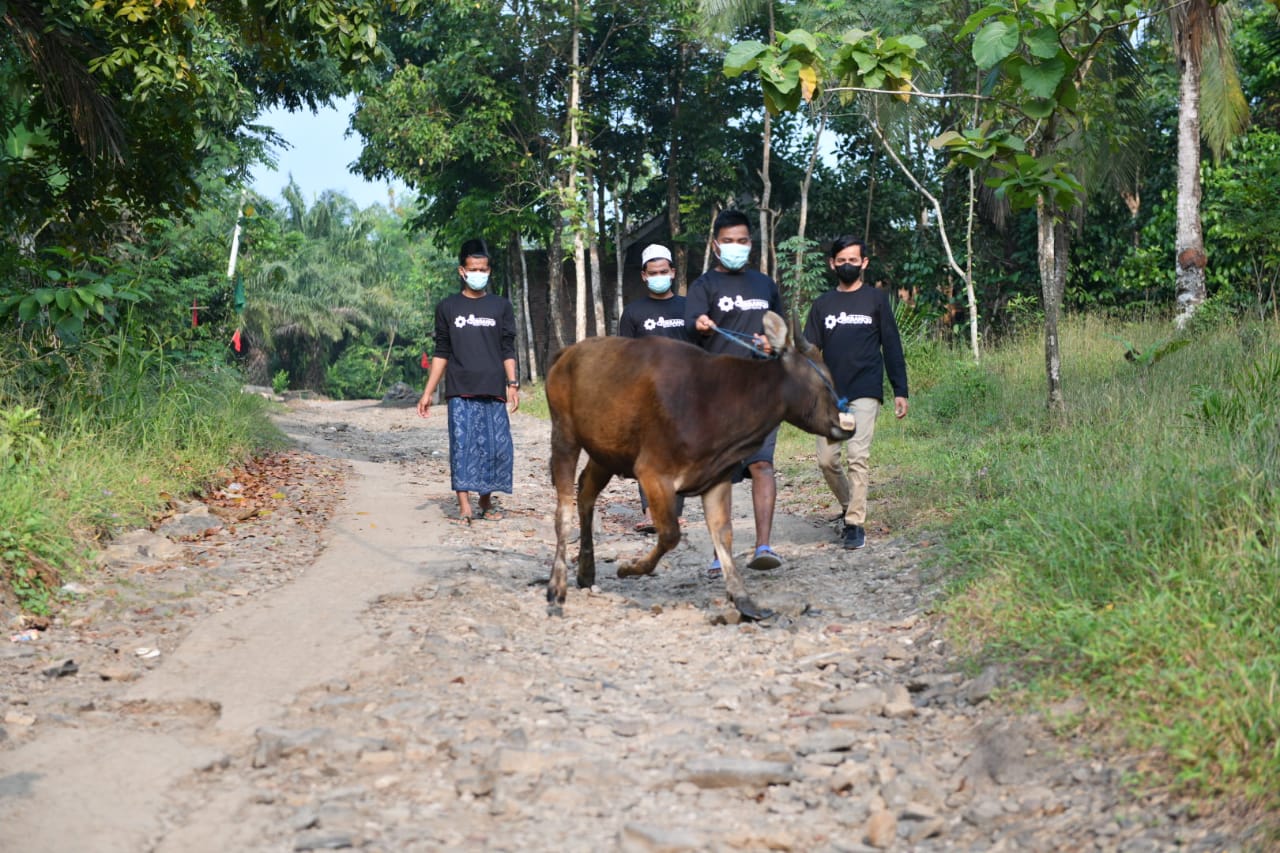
734, 255
658, 283
477, 280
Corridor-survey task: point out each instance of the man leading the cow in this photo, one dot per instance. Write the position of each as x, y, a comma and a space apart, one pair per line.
475, 353
660, 313
726, 306
854, 327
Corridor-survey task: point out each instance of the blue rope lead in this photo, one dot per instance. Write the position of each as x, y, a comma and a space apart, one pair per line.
742, 339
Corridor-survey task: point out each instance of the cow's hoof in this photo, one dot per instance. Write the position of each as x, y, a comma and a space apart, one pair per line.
750, 612
586, 581
555, 610
633, 570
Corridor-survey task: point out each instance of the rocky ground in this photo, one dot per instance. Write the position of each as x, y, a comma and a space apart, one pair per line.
321, 656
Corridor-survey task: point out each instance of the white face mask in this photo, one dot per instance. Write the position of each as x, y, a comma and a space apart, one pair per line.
659, 283
477, 280
734, 255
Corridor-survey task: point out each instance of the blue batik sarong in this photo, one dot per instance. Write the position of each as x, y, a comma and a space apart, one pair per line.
481, 455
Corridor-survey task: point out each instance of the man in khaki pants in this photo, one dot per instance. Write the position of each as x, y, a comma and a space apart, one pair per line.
853, 325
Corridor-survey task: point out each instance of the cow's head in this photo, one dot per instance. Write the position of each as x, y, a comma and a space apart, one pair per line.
808, 394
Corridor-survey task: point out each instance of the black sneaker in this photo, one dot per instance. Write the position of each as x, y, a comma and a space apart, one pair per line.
854, 537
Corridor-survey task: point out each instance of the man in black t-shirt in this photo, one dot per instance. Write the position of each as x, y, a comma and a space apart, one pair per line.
475, 353
661, 311
854, 327
659, 314
731, 297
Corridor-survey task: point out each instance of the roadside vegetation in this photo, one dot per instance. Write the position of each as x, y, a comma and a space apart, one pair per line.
1130, 556
96, 440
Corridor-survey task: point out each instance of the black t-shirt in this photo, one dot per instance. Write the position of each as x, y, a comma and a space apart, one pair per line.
650, 317
736, 301
859, 341
476, 336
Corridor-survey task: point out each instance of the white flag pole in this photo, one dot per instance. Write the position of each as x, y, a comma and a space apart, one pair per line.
235, 237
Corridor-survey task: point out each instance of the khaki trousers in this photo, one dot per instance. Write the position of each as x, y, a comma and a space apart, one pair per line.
851, 488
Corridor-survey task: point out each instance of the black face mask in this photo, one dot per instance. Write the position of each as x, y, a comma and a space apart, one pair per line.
848, 273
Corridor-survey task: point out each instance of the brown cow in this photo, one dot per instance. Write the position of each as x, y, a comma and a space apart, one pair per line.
678, 420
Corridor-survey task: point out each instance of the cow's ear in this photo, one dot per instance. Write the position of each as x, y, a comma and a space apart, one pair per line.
775, 329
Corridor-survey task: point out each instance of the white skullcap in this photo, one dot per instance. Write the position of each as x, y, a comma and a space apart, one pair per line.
653, 252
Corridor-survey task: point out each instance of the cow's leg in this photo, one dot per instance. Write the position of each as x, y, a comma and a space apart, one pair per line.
564, 459
717, 504
592, 482
662, 509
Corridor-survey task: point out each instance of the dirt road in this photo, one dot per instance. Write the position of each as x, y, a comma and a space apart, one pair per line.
365, 672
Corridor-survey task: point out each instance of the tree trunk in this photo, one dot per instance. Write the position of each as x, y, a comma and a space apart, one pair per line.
804, 207
970, 294
619, 228
681, 251
1189, 244
257, 361
386, 359
871, 194
597, 285
525, 320
1051, 243
711, 234
766, 191
555, 285
573, 200
580, 286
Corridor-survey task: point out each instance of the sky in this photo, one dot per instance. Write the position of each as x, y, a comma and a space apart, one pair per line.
319, 157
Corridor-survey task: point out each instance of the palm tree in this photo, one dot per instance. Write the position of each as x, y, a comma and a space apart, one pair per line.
335, 285
1200, 30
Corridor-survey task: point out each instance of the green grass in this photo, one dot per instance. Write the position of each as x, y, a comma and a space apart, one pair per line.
99, 449
1130, 554
533, 400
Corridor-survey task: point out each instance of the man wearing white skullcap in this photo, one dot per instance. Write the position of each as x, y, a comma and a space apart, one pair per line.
659, 313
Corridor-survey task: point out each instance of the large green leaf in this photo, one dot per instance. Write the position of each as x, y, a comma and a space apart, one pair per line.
1043, 79
743, 56
803, 38
975, 20
1039, 108
778, 101
1043, 43
994, 42
784, 77
28, 309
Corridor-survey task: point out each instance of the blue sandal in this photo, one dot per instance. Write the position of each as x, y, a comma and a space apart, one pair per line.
764, 559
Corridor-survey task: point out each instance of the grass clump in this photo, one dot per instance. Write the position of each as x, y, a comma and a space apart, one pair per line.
94, 442
1132, 553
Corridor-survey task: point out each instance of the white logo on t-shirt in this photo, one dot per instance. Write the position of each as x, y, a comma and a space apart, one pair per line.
727, 304
663, 323
843, 319
473, 320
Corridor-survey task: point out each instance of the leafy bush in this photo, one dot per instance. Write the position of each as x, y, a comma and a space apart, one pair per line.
364, 372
